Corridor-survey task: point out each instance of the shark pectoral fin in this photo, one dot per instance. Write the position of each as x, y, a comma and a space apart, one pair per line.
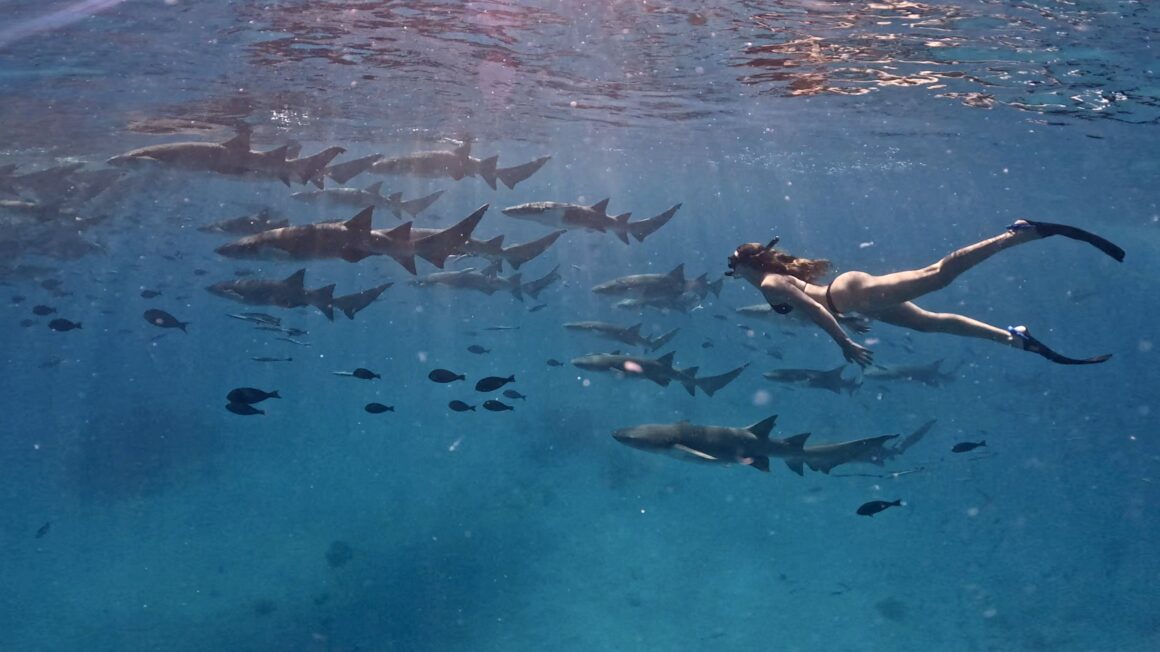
795, 466
696, 453
760, 462
352, 255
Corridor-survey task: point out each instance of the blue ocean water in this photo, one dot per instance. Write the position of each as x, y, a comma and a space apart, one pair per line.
139, 514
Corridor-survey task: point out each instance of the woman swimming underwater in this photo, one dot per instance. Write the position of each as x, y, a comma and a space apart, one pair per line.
790, 283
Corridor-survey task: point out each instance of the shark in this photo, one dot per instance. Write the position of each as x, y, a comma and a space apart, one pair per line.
683, 302
455, 164
927, 374
816, 379
263, 220
660, 371
232, 157
289, 292
352, 304
494, 251
827, 456
478, 281
561, 215
351, 241
515, 174
660, 286
749, 446
343, 172
369, 196
629, 335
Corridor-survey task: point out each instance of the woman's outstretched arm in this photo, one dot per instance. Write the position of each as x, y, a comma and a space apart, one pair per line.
777, 290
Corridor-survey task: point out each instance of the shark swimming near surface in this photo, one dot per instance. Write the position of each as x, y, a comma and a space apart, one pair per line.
750, 446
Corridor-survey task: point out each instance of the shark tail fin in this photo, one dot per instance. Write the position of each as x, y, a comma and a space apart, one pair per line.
517, 255
537, 286
416, 206
513, 175
711, 384
644, 228
620, 227
662, 340
688, 378
313, 168
487, 170
344, 172
517, 288
323, 299
438, 247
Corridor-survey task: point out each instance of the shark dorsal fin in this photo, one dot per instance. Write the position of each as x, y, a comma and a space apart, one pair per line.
401, 232
278, 154
362, 221
297, 279
395, 197
797, 441
497, 241
762, 428
631, 330
666, 360
694, 452
601, 206
678, 273
374, 188
239, 142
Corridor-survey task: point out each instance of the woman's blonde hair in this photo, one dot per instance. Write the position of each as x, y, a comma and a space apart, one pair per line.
774, 261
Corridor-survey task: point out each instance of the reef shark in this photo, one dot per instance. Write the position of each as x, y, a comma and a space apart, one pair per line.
351, 241
927, 374
561, 215
455, 164
827, 456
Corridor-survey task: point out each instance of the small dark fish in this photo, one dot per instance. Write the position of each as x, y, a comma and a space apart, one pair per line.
874, 506
968, 446
250, 395
244, 409
513, 394
162, 319
538, 307
43, 530
62, 325
501, 328
17, 299
200, 272
445, 376
378, 408
51, 283
460, 406
25, 323
41, 310
496, 406
706, 344
292, 341
150, 294
243, 272
492, 383
477, 349
552, 362
257, 317
720, 317
268, 359
365, 374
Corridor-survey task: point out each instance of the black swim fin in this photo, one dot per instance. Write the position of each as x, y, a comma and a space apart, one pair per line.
1035, 346
1047, 228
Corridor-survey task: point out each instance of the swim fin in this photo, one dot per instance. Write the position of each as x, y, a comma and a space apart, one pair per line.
1035, 346
1047, 228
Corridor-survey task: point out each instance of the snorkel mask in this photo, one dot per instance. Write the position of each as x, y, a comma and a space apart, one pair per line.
738, 257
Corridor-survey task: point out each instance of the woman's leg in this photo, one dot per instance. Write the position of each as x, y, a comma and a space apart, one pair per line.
869, 294
908, 315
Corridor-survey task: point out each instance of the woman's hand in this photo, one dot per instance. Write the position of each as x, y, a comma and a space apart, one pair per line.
855, 352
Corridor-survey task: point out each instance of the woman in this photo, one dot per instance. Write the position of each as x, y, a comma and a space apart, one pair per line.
790, 283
